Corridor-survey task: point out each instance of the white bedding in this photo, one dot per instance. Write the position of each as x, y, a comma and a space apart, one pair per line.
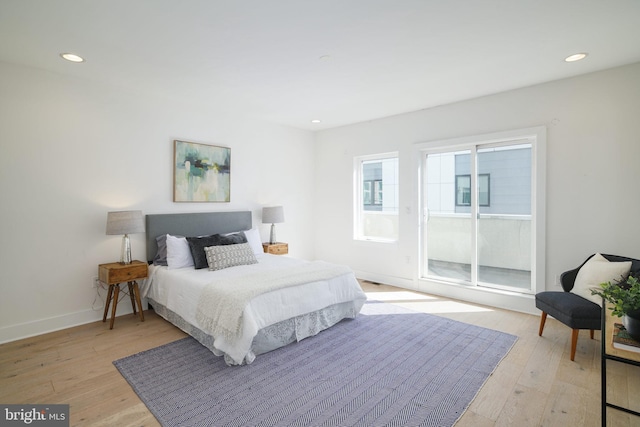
179, 290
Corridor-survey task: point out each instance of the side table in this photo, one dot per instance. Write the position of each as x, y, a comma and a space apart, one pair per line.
609, 352
277, 248
113, 274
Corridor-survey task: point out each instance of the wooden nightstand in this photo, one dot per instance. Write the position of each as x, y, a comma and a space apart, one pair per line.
113, 274
277, 248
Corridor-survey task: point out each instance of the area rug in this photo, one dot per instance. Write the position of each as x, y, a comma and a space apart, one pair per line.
388, 367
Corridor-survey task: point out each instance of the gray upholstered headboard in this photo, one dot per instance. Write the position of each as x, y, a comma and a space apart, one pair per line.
193, 224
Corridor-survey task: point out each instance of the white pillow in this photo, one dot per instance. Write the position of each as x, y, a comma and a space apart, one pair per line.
254, 240
219, 257
599, 270
178, 252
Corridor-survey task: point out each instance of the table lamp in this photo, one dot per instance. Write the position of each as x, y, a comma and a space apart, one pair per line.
272, 215
125, 223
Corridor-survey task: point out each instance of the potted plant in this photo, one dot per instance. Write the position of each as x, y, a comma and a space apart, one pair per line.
625, 301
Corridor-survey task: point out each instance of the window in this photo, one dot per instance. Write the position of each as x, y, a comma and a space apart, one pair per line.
463, 190
372, 193
376, 197
377, 192
366, 193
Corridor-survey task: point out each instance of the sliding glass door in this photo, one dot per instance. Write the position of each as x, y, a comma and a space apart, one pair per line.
448, 232
477, 228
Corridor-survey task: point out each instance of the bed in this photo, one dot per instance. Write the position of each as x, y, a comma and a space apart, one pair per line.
244, 310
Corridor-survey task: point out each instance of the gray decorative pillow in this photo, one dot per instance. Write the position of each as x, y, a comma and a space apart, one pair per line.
219, 257
197, 246
161, 254
232, 239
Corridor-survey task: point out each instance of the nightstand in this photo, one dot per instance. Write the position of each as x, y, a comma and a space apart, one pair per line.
113, 274
277, 248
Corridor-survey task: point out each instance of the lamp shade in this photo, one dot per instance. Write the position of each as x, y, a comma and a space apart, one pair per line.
272, 215
125, 222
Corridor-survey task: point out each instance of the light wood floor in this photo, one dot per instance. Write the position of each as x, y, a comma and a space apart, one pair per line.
535, 385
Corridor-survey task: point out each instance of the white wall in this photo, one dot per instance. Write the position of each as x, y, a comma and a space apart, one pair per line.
72, 150
593, 172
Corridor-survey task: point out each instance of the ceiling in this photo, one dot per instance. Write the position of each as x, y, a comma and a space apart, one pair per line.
339, 61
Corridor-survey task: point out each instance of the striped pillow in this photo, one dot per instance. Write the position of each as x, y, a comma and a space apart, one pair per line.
219, 257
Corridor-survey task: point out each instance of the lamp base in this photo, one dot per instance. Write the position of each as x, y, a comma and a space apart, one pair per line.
272, 236
125, 253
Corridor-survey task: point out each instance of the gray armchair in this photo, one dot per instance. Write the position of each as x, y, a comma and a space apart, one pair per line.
573, 310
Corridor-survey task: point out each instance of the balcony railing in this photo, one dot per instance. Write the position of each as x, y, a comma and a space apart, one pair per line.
504, 247
504, 241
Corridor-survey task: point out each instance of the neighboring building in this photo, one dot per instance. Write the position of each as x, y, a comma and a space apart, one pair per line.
504, 180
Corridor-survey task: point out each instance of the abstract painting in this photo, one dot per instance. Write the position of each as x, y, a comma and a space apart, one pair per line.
201, 173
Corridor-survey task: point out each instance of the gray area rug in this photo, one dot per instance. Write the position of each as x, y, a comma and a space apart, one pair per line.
387, 367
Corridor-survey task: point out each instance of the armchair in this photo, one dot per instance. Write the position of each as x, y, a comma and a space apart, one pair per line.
578, 309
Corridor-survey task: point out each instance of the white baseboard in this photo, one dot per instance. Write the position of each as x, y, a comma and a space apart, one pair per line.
386, 280
57, 323
513, 301
492, 298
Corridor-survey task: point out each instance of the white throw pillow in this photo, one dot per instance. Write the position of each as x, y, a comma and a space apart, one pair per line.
599, 270
178, 252
219, 257
253, 238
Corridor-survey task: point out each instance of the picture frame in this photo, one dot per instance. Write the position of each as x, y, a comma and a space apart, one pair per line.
201, 172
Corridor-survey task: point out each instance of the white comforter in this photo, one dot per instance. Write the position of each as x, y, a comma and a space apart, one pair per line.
179, 290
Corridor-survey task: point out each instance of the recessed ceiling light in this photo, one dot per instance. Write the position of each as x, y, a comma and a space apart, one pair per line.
576, 57
316, 121
72, 57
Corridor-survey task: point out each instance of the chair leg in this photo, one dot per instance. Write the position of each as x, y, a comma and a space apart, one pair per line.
543, 319
574, 342
591, 333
